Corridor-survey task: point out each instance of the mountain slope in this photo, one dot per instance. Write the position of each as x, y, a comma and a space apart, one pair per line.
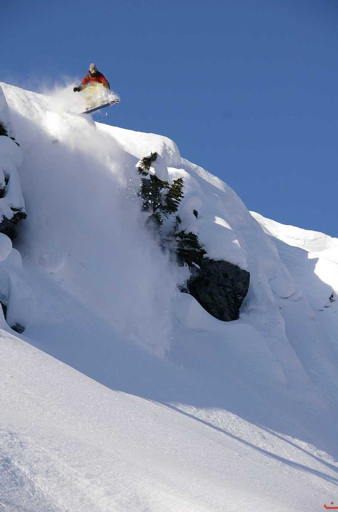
148, 403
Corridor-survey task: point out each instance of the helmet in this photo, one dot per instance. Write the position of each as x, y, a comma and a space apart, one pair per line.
92, 68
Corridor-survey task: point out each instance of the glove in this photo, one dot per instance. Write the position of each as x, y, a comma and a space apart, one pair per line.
76, 89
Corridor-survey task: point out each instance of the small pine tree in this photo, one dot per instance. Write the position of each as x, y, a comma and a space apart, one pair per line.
173, 197
146, 161
159, 198
162, 200
152, 193
189, 248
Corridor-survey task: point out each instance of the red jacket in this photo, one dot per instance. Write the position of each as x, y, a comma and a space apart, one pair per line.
98, 77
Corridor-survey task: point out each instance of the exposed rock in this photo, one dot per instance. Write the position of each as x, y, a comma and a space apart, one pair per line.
18, 328
220, 287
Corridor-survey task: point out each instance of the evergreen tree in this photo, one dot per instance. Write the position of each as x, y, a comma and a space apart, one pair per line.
188, 247
151, 190
146, 162
159, 197
173, 197
162, 200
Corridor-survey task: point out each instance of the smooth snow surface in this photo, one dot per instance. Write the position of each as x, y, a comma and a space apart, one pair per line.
123, 394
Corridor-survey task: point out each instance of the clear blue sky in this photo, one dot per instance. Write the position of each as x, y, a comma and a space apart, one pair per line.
248, 89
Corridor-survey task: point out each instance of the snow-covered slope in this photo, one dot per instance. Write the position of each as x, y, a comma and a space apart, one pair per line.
125, 395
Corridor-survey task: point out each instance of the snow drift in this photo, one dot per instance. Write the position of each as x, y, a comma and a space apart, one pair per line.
148, 403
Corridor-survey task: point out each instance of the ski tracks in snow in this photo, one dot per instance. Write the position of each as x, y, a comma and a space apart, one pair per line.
18, 492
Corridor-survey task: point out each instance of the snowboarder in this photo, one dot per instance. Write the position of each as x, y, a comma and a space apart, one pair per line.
93, 76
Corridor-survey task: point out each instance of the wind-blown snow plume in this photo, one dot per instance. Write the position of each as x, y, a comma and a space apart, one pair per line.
81, 226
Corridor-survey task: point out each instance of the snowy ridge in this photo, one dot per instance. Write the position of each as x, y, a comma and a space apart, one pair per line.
311, 241
124, 394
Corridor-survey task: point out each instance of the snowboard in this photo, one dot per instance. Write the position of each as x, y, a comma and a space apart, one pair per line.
97, 96
89, 110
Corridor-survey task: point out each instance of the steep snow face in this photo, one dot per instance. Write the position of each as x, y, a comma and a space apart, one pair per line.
86, 228
11, 200
187, 413
311, 315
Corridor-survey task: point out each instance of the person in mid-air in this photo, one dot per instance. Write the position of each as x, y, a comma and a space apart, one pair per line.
93, 76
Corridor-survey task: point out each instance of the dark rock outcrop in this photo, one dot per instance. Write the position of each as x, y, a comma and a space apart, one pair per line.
18, 328
220, 287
